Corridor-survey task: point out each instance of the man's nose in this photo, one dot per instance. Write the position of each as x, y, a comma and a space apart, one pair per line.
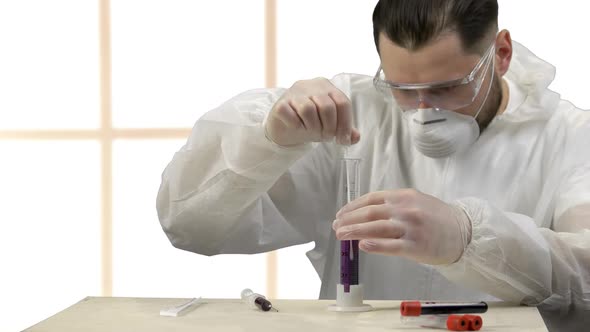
423, 101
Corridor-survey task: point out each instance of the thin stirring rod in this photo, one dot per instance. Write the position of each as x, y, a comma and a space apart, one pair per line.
348, 193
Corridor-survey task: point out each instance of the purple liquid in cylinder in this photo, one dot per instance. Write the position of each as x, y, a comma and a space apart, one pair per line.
349, 268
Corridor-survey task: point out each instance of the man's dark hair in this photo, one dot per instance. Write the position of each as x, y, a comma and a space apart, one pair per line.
412, 24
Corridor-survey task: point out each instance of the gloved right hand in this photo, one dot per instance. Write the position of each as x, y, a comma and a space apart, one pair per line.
311, 111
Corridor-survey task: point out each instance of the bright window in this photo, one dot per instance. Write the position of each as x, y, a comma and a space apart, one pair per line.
50, 238
175, 59
49, 64
337, 37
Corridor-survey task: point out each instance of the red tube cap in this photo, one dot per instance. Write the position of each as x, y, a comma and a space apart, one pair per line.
457, 323
411, 308
475, 322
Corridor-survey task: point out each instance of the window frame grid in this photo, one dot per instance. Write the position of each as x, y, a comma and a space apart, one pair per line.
106, 135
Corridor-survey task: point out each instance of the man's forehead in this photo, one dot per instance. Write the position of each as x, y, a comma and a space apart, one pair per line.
440, 60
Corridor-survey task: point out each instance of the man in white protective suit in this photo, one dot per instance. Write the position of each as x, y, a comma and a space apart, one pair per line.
477, 175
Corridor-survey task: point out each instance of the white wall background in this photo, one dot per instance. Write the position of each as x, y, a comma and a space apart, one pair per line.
172, 61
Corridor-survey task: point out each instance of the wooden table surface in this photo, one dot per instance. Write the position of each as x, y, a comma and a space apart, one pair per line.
143, 314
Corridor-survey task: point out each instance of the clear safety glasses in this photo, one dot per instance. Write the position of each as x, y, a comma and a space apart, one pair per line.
449, 95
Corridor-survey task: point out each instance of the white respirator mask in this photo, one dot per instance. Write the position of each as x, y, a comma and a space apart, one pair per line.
440, 133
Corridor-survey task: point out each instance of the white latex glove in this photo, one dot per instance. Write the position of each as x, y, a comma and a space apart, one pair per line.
405, 223
311, 111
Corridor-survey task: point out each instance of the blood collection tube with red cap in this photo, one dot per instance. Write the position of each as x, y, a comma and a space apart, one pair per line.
417, 308
452, 316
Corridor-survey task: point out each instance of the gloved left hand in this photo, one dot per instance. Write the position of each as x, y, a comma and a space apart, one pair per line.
406, 223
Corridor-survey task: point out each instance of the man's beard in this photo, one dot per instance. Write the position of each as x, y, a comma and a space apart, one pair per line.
492, 105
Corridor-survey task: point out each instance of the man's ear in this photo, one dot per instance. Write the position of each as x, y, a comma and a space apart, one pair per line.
503, 54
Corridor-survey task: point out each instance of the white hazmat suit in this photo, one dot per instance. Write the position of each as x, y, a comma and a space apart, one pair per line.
527, 177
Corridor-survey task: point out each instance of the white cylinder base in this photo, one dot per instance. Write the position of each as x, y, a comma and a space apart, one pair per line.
349, 302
